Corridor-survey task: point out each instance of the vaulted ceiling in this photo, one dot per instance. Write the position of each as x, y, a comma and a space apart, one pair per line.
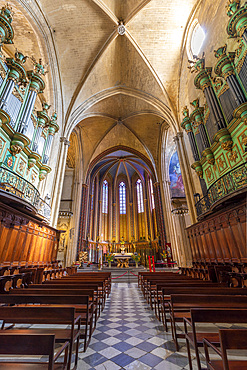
107, 78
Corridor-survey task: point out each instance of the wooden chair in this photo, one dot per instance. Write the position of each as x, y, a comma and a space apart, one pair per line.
229, 339
31, 345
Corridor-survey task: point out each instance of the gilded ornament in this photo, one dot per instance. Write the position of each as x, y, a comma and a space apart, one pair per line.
244, 140
222, 164
232, 7
233, 156
200, 174
185, 111
227, 145
38, 67
21, 166
16, 149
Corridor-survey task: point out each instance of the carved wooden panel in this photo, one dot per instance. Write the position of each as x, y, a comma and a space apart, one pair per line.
220, 237
24, 239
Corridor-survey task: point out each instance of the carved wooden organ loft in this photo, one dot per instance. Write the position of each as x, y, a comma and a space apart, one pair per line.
25, 144
217, 134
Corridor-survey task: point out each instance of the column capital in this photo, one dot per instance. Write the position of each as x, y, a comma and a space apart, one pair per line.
180, 134
64, 140
175, 139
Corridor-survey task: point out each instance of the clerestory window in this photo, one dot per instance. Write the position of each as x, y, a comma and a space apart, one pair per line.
105, 197
139, 196
122, 198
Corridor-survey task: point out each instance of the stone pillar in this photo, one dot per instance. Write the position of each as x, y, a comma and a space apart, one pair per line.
16, 73
159, 213
186, 174
132, 232
53, 129
184, 250
225, 68
83, 217
57, 191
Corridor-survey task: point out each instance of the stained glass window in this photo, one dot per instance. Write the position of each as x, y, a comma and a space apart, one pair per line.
105, 197
139, 196
122, 198
152, 194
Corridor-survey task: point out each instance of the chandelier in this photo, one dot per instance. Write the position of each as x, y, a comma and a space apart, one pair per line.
180, 211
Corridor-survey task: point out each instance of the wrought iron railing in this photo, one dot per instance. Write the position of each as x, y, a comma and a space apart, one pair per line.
233, 180
21, 188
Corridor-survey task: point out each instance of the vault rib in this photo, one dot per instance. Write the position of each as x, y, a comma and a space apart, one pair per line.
110, 39
106, 10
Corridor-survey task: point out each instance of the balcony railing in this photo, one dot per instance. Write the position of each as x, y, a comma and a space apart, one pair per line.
232, 181
21, 188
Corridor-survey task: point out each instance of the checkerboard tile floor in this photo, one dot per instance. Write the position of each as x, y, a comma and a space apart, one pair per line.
128, 336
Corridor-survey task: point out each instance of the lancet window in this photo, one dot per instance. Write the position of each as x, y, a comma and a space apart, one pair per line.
140, 206
122, 198
105, 197
152, 194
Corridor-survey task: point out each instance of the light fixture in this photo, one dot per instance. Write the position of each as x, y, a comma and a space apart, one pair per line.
180, 211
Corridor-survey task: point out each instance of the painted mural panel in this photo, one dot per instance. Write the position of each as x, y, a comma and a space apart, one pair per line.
177, 186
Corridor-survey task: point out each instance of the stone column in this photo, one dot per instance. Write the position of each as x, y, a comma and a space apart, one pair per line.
186, 174
225, 68
83, 217
57, 191
159, 213
185, 255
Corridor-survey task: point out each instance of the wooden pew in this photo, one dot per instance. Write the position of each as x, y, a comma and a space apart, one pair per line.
93, 299
77, 284
180, 306
229, 339
69, 287
203, 290
81, 303
34, 344
154, 288
46, 315
199, 316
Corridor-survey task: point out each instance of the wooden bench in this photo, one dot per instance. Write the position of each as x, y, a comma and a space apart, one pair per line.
81, 303
30, 345
180, 306
51, 315
199, 316
229, 339
185, 290
155, 292
82, 286
93, 299
75, 284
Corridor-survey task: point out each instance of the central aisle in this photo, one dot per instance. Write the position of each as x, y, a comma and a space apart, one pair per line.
128, 336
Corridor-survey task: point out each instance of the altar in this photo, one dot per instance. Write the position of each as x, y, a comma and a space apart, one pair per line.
122, 259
